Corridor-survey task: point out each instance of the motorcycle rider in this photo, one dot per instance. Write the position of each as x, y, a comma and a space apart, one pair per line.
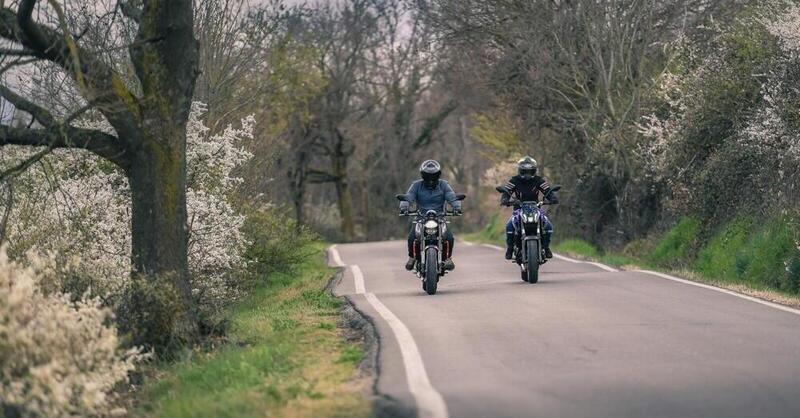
430, 193
526, 187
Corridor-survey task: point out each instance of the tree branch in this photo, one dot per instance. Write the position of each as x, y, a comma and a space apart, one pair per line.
19, 168
11, 52
317, 177
97, 82
39, 114
432, 124
100, 143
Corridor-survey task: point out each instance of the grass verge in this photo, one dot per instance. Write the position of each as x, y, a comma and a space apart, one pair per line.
285, 357
719, 262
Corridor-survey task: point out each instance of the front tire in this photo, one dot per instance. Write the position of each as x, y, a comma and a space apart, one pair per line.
431, 270
533, 261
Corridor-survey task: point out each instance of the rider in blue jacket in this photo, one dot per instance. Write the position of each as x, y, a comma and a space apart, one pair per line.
526, 186
430, 193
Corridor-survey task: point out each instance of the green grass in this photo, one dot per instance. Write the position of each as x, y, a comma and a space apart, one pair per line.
762, 255
757, 256
285, 357
720, 257
493, 233
578, 247
582, 249
673, 248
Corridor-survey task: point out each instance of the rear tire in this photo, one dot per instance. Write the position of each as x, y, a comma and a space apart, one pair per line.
533, 261
431, 270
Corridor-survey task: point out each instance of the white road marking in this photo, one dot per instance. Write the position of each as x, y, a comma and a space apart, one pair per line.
337, 260
358, 278
467, 243
721, 290
429, 401
494, 247
600, 265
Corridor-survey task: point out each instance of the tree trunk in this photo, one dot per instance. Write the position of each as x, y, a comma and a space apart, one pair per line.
159, 220
345, 196
346, 209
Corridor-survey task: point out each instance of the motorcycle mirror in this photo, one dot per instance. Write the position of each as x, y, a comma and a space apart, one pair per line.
555, 189
461, 196
501, 189
401, 197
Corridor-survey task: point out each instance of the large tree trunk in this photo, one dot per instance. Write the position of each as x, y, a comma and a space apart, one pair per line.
159, 221
344, 195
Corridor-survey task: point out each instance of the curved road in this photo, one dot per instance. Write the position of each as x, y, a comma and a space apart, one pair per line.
586, 341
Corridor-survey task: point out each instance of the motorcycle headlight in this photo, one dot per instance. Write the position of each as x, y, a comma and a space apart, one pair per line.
431, 225
530, 217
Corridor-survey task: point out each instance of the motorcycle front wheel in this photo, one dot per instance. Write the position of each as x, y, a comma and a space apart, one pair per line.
532, 272
431, 270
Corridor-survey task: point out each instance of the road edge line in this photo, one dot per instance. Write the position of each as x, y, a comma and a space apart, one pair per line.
494, 247
722, 290
358, 280
336, 258
593, 263
429, 402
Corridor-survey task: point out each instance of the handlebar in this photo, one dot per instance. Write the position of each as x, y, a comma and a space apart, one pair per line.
445, 213
515, 203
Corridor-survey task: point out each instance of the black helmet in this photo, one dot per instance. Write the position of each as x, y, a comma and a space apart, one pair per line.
526, 167
430, 171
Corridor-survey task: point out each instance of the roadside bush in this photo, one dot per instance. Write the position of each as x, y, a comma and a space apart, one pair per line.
146, 313
674, 248
276, 244
58, 358
723, 257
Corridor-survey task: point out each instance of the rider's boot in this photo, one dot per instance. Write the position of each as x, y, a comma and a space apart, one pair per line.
410, 263
449, 264
510, 238
546, 244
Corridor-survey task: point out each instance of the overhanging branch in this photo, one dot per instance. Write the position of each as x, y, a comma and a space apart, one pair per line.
100, 143
433, 123
40, 114
97, 82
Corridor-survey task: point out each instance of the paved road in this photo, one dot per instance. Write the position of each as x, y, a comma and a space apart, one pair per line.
583, 342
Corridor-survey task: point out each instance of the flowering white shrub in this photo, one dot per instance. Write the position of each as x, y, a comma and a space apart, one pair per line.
58, 358
77, 206
787, 29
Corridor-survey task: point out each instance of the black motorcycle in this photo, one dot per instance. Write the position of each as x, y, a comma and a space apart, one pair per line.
430, 228
528, 250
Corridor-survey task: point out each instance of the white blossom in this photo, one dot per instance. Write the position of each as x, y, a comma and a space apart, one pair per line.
59, 358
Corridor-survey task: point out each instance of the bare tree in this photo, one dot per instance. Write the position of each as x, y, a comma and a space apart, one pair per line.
148, 110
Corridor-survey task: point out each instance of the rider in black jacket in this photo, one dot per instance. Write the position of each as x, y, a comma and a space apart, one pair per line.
526, 186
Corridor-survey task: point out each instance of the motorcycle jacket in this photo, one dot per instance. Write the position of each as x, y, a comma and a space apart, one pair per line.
431, 199
527, 190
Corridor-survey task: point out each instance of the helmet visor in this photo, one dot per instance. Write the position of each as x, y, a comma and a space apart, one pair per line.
527, 172
430, 178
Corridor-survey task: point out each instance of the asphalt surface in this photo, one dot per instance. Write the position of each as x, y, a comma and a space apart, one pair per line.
583, 342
